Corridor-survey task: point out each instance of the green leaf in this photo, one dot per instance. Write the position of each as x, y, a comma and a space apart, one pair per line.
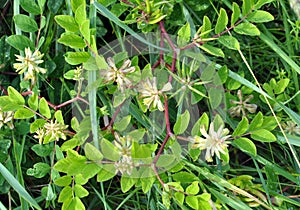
67, 22
38, 123
212, 50
184, 177
256, 122
208, 73
63, 181
203, 120
14, 183
206, 26
30, 6
92, 153
79, 179
223, 74
260, 3
260, 16
236, 12
184, 35
147, 180
247, 29
137, 134
59, 117
109, 150
241, 128
229, 42
193, 189
192, 201
72, 40
215, 96
222, 21
39, 170
20, 42
204, 201
75, 58
15, 96
65, 194
127, 183
76, 3
25, 23
33, 102
85, 30
182, 123
123, 123
80, 14
74, 203
281, 85
263, 135
118, 9
106, 173
246, 145
23, 113
247, 6
44, 108
80, 191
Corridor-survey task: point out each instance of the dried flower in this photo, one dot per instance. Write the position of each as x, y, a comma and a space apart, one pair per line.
6, 118
291, 128
51, 131
125, 165
150, 95
214, 142
113, 74
242, 106
29, 64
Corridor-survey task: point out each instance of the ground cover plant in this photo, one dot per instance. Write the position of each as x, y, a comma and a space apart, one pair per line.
131, 104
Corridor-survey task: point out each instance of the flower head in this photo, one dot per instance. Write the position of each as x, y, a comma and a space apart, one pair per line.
125, 165
123, 144
6, 118
51, 131
29, 64
291, 128
242, 106
150, 95
113, 74
214, 141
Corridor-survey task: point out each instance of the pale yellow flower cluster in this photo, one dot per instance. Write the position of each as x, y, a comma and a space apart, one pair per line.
151, 95
51, 131
118, 75
6, 118
29, 64
215, 142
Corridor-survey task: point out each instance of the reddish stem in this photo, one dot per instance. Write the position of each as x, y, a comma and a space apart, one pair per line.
109, 126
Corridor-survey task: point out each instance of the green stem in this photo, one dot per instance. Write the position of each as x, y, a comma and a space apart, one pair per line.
16, 12
18, 153
92, 76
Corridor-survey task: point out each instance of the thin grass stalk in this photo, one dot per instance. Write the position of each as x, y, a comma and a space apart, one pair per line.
92, 76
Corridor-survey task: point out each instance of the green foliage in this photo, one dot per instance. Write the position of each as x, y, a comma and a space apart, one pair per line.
176, 122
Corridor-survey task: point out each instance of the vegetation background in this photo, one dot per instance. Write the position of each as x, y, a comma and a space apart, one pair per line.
89, 129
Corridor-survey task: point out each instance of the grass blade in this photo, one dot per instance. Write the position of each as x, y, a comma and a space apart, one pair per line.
106, 13
17, 186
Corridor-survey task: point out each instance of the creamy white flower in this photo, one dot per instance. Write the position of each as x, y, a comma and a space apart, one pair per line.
6, 118
29, 64
113, 74
51, 131
124, 144
214, 141
150, 95
125, 165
